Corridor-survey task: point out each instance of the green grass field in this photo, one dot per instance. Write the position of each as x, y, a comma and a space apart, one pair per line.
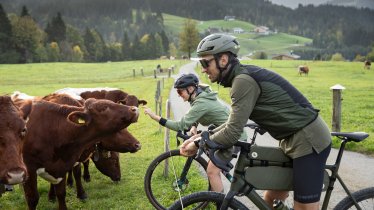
41, 79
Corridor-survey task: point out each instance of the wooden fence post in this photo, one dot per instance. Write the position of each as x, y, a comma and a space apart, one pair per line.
142, 72
133, 73
169, 72
167, 139
157, 96
160, 110
336, 109
154, 74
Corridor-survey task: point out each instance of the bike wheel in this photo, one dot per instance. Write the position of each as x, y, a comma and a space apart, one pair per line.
364, 198
162, 190
213, 200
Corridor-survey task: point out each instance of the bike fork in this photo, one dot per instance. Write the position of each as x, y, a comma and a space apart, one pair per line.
185, 169
227, 200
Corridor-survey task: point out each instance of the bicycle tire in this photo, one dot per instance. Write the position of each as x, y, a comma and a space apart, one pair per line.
212, 199
160, 190
364, 197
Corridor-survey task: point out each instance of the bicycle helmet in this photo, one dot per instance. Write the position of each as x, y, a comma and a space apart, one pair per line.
186, 80
217, 43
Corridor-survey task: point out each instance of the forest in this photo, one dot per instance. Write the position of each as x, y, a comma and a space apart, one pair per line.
346, 30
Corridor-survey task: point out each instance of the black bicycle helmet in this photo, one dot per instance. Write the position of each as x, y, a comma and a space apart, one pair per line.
217, 43
186, 80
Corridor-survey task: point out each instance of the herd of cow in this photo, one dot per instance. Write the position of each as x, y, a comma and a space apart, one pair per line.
51, 136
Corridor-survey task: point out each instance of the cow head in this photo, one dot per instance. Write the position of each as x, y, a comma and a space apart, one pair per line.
98, 112
108, 164
12, 131
131, 100
121, 141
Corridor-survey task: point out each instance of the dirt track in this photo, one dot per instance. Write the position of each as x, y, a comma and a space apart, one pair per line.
356, 169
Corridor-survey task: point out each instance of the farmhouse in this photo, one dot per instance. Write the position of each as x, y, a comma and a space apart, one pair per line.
290, 56
262, 30
229, 18
238, 30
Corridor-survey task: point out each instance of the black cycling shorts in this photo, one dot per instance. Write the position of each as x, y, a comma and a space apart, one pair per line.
308, 172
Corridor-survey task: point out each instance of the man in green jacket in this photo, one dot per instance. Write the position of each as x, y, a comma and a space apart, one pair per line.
272, 102
205, 109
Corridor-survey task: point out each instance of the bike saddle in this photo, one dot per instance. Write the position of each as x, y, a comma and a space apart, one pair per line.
351, 136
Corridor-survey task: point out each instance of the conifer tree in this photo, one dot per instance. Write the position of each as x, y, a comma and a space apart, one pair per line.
7, 52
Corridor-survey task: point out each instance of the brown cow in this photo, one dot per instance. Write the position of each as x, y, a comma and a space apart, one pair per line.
303, 70
12, 132
121, 141
113, 94
58, 134
367, 64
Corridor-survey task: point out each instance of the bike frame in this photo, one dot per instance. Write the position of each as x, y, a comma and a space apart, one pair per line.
240, 186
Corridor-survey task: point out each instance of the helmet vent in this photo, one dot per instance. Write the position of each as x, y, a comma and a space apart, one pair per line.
210, 48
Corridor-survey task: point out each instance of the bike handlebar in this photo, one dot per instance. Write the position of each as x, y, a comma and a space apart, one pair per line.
210, 147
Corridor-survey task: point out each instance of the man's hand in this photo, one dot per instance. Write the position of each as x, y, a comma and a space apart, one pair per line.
188, 148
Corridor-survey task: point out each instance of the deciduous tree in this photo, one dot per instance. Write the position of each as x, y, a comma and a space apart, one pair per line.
189, 37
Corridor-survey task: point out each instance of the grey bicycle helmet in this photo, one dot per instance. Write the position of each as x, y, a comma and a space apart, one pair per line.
217, 43
186, 80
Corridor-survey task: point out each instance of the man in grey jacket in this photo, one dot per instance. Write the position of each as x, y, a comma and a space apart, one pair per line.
272, 102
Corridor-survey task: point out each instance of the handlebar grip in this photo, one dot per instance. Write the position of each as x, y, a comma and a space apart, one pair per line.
212, 147
183, 136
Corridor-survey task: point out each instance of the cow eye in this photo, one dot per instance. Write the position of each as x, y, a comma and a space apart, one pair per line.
23, 132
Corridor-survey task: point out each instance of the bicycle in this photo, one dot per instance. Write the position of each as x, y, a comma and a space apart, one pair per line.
255, 170
163, 190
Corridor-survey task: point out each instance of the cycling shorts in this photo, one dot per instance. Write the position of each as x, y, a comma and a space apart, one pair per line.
308, 172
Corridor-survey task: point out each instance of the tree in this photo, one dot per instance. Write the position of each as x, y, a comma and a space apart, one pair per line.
7, 51
125, 48
56, 29
25, 11
337, 57
173, 50
53, 52
165, 42
189, 37
77, 54
27, 36
89, 43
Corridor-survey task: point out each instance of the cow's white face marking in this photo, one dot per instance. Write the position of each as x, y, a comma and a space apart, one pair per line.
15, 178
45, 175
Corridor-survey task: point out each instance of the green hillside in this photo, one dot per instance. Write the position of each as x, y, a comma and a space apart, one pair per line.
250, 42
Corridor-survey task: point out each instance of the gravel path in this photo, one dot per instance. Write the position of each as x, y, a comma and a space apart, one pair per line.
356, 170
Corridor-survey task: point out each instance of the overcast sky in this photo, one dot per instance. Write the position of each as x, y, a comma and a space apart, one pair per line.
295, 3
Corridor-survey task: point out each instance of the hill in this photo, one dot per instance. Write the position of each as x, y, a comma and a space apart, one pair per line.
333, 29
250, 41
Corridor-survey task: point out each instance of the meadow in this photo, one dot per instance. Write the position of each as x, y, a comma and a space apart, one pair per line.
41, 79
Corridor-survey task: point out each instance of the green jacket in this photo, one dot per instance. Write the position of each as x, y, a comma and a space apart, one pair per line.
267, 99
205, 109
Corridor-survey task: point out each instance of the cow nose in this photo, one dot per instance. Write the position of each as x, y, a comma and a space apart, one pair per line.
16, 176
138, 146
134, 109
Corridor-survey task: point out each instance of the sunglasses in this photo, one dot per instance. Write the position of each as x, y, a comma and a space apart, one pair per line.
205, 63
180, 91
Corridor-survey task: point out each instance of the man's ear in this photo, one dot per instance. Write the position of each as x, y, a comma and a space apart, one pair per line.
223, 60
79, 118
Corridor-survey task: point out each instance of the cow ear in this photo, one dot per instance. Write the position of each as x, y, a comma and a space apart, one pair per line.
26, 109
79, 118
122, 102
144, 102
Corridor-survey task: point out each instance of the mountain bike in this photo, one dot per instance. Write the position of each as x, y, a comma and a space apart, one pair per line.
268, 168
187, 174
